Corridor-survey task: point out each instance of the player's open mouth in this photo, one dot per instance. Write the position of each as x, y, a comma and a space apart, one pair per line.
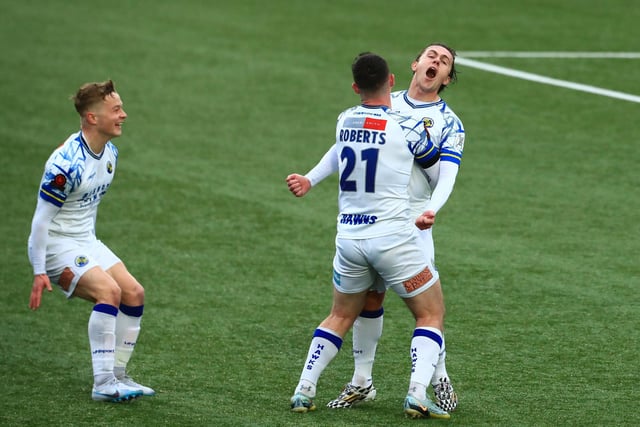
431, 72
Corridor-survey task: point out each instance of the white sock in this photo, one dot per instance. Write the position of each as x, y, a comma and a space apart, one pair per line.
367, 331
324, 347
102, 338
441, 368
425, 347
127, 331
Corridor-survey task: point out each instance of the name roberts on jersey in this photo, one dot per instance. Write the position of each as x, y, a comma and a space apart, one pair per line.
367, 130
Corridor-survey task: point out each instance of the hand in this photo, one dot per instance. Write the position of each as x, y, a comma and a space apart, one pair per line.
426, 220
40, 282
299, 185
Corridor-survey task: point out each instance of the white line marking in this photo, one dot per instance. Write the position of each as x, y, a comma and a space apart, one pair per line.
560, 55
546, 80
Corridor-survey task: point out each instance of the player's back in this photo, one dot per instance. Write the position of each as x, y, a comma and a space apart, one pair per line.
374, 169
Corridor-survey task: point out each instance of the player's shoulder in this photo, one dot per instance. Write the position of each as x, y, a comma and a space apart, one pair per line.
448, 109
69, 147
399, 116
349, 111
451, 116
111, 148
68, 154
398, 99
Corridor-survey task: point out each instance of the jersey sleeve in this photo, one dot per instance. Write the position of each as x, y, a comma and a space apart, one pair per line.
452, 144
57, 180
37, 246
444, 187
426, 154
328, 165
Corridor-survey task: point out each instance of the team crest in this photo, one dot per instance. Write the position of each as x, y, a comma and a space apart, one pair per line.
109, 167
428, 123
82, 260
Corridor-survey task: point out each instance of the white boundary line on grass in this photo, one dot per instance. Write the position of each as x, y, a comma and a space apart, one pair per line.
561, 55
545, 80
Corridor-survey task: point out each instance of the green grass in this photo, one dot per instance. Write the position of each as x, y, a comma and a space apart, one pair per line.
537, 247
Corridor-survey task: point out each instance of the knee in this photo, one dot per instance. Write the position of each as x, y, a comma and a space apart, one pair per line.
374, 301
133, 295
109, 293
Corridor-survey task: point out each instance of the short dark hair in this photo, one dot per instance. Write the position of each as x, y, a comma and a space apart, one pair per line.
370, 71
91, 93
453, 74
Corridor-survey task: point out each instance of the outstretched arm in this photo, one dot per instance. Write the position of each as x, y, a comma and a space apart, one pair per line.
300, 185
328, 165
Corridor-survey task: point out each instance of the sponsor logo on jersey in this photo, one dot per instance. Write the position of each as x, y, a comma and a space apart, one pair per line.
109, 166
376, 124
81, 260
365, 123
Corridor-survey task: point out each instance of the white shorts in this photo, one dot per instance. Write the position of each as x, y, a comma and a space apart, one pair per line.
426, 240
401, 260
68, 260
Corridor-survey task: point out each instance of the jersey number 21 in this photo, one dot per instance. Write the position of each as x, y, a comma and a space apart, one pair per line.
370, 157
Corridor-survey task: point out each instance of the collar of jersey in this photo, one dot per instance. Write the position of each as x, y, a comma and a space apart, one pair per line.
375, 107
83, 141
414, 103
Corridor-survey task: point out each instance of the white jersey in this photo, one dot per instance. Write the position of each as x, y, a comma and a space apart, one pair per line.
445, 130
75, 179
375, 163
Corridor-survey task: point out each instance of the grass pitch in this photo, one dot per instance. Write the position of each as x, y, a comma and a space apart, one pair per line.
537, 247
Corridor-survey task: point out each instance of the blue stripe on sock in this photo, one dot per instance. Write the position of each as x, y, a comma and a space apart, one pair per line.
106, 308
132, 311
372, 314
336, 340
428, 334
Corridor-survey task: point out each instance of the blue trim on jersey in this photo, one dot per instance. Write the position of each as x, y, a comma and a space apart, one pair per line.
429, 157
405, 95
85, 145
418, 332
53, 198
133, 311
451, 156
372, 314
334, 339
375, 107
106, 309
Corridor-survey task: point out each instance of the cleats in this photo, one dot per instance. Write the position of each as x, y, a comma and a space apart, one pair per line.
301, 403
129, 382
445, 397
114, 391
416, 408
352, 394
